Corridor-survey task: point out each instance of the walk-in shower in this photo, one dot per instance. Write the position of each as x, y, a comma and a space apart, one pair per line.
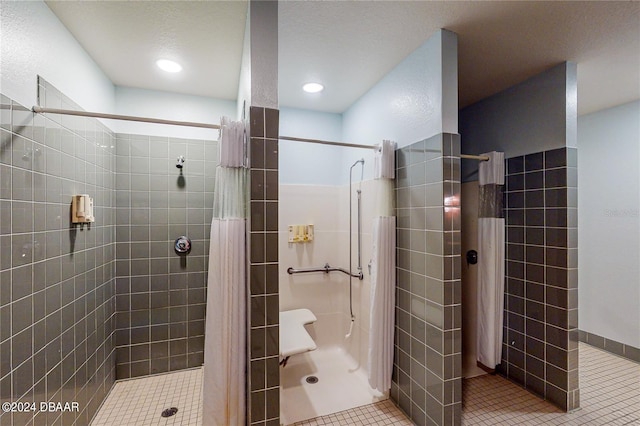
336, 293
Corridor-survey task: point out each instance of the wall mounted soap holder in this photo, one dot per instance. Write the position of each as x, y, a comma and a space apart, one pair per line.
300, 233
82, 209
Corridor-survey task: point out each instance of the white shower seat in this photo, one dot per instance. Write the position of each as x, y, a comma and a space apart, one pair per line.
294, 338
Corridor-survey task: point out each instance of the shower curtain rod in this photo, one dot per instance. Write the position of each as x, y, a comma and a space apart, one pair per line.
355, 145
323, 142
474, 157
40, 110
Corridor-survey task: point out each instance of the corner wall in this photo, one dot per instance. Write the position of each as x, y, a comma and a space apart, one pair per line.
416, 100
56, 279
263, 334
427, 367
263, 401
416, 105
534, 123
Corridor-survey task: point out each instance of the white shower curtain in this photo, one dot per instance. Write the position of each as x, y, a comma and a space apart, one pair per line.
223, 388
383, 272
490, 261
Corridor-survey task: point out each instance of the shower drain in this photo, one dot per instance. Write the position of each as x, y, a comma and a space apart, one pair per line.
312, 379
169, 412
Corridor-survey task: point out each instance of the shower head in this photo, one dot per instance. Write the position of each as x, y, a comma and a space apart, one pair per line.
359, 161
180, 162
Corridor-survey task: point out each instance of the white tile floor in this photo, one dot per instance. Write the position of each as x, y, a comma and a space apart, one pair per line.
609, 395
609, 387
140, 402
381, 413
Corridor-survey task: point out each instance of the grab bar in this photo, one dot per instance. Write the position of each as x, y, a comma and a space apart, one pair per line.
326, 269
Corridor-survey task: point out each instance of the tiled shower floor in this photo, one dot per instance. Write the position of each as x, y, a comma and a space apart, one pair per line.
341, 386
609, 388
140, 402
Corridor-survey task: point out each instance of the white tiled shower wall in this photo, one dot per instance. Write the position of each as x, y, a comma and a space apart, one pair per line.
327, 295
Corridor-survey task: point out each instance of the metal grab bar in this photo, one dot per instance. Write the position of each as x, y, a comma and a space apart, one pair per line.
326, 269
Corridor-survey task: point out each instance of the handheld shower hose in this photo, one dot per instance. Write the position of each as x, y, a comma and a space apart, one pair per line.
360, 274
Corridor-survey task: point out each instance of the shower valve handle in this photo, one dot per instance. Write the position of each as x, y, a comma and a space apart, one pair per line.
182, 245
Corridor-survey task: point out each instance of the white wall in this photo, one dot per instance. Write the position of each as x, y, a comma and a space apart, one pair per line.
406, 106
323, 294
169, 106
309, 163
412, 102
315, 164
609, 223
416, 100
34, 42
327, 295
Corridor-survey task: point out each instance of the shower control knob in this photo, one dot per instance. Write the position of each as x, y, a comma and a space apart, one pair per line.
182, 245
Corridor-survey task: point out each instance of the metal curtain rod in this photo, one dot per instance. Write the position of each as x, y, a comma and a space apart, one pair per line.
474, 157
355, 145
323, 142
40, 110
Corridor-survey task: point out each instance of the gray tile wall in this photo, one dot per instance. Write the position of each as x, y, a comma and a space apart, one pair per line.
540, 348
427, 382
161, 296
264, 372
56, 279
611, 346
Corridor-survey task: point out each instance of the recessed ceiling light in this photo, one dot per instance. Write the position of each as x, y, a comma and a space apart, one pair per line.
313, 87
168, 66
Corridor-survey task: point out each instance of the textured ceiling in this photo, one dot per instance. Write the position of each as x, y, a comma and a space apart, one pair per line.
125, 38
351, 45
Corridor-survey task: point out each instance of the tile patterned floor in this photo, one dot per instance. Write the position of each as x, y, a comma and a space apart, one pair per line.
379, 414
609, 387
140, 402
609, 394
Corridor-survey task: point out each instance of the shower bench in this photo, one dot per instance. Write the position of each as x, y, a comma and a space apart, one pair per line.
294, 338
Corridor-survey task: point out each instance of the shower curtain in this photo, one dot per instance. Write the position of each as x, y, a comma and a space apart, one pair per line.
383, 271
490, 261
223, 389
